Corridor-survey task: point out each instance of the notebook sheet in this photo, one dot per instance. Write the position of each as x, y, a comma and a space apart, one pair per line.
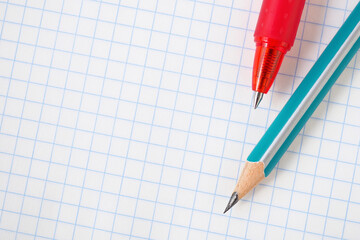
131, 120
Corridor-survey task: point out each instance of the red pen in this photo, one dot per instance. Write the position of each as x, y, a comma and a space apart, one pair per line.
274, 36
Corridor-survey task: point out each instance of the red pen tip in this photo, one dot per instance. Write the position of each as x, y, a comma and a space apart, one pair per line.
266, 66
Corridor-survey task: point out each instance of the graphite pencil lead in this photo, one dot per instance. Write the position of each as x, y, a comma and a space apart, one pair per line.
233, 200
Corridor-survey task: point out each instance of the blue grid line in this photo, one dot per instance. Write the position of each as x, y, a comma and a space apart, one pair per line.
155, 68
190, 122
6, 5
171, 121
22, 111
57, 125
124, 234
182, 17
169, 71
308, 2
1, 124
106, 40
175, 148
97, 114
225, 6
117, 107
322, 134
227, 128
348, 201
178, 129
157, 50
37, 131
209, 124
1, 120
7, 91
172, 91
301, 137
210, 155
185, 188
230, 114
62, 101
169, 204
152, 121
159, 31
242, 150
77, 118
53, 144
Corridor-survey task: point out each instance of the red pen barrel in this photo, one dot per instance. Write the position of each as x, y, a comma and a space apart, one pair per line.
274, 36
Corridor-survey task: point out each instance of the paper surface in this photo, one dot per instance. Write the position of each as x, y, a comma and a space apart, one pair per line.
131, 120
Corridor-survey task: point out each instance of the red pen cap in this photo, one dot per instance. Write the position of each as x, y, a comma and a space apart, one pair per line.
274, 35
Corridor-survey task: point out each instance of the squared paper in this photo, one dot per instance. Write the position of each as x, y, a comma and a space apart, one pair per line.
131, 120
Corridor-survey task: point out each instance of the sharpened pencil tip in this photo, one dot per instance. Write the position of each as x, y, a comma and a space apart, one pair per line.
233, 200
258, 96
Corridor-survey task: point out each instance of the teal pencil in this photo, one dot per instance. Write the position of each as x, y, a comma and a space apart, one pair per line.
292, 118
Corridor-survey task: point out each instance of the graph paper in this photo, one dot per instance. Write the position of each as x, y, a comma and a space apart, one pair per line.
131, 119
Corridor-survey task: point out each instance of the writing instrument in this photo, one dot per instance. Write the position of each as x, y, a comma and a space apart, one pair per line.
301, 105
274, 36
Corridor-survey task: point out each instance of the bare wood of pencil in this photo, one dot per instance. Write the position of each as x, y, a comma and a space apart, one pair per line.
299, 107
252, 174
